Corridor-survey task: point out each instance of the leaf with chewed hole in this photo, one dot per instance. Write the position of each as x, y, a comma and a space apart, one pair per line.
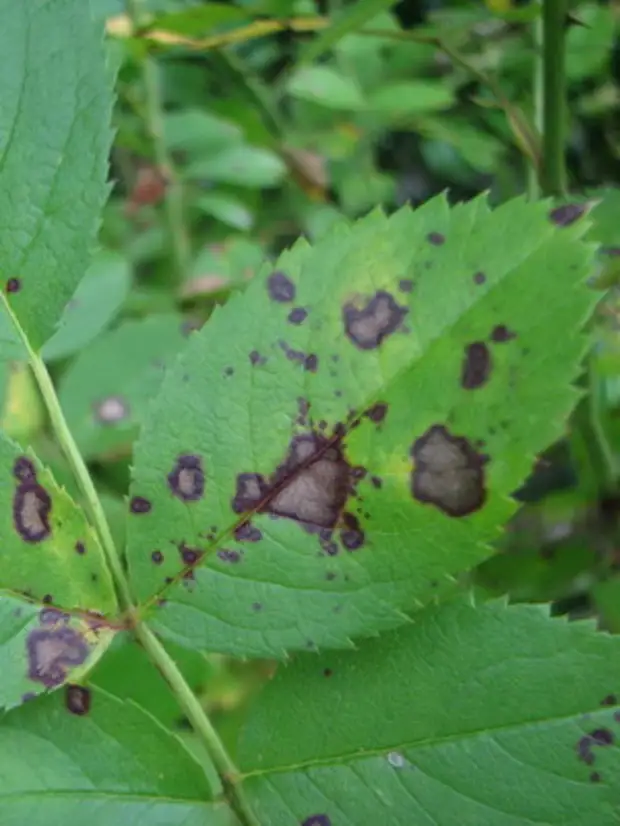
84, 756
42, 647
340, 441
56, 94
95, 303
106, 389
49, 552
474, 715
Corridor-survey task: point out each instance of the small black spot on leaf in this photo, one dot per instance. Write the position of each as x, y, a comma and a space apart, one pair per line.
138, 504
448, 473
256, 358
369, 325
609, 700
52, 652
257, 606
316, 820
436, 238
80, 548
227, 555
13, 285
479, 278
190, 556
246, 532
352, 537
32, 506
280, 287
595, 777
567, 214
377, 412
376, 482
157, 557
599, 737
311, 363
77, 699
186, 480
229, 371
500, 334
327, 672
111, 410
476, 367
24, 470
405, 285
297, 315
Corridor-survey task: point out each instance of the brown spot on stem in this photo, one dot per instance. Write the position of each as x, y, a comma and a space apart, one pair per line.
448, 473
369, 325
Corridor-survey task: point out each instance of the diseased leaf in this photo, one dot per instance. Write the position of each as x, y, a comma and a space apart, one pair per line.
473, 715
83, 756
95, 303
55, 122
342, 439
42, 647
106, 389
48, 551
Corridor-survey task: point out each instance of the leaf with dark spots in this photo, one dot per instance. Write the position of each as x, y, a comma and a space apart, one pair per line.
285, 468
189, 556
256, 358
297, 315
80, 548
477, 366
352, 535
53, 652
227, 555
32, 506
500, 334
436, 238
24, 470
13, 285
187, 479
77, 699
447, 472
368, 325
479, 278
157, 557
280, 288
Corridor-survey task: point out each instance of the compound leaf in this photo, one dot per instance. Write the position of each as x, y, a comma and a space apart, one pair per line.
56, 104
84, 756
342, 439
48, 551
475, 714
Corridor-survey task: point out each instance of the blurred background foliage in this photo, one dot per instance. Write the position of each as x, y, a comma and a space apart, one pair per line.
243, 125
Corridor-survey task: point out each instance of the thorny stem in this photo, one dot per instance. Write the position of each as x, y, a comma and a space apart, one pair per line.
173, 198
200, 723
553, 167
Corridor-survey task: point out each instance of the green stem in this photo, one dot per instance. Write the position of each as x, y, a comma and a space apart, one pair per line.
553, 168
200, 723
173, 199
538, 94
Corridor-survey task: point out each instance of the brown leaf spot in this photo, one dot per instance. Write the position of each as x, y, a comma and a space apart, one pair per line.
595, 777
500, 334
352, 537
80, 548
24, 470
227, 555
297, 315
448, 473
476, 367
186, 480
369, 325
280, 288
405, 285
257, 606
13, 285
77, 699
32, 506
251, 490
377, 412
52, 652
609, 700
303, 406
256, 358
246, 532
376, 482
190, 556
157, 557
311, 363
52, 616
436, 238
479, 278
111, 410
138, 504
316, 820
567, 214
599, 737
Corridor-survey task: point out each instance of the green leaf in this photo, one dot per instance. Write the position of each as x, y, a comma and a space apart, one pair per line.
473, 715
106, 389
327, 87
48, 549
415, 362
350, 19
83, 756
240, 164
229, 210
96, 302
56, 105
197, 131
410, 97
41, 647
